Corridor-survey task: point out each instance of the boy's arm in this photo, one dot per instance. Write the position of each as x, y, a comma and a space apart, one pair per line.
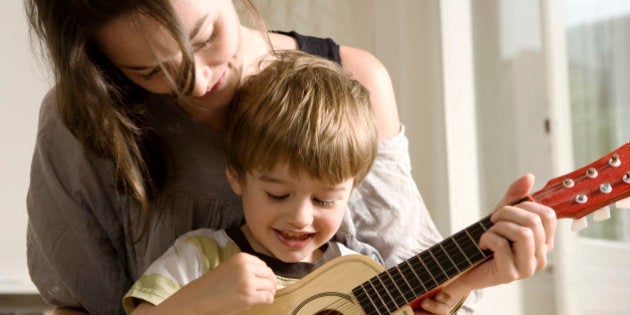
240, 282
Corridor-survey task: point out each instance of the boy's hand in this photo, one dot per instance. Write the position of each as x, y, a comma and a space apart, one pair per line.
241, 282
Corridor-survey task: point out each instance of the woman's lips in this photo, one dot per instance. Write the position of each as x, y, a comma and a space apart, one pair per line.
218, 85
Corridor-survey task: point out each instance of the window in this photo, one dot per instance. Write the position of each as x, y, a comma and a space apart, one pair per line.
598, 54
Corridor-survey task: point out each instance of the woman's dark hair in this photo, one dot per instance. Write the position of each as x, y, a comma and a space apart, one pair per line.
97, 102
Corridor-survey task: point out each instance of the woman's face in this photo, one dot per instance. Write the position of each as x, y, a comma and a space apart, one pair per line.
138, 46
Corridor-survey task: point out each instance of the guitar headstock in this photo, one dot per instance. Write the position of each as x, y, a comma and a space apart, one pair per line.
589, 189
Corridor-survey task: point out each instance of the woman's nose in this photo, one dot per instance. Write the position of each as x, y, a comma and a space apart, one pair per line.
203, 78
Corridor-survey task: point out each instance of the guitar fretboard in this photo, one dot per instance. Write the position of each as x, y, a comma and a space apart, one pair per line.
405, 282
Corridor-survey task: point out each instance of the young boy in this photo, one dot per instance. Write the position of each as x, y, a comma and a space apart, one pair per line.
300, 137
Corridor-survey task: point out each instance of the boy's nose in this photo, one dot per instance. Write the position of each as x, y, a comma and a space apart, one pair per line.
301, 215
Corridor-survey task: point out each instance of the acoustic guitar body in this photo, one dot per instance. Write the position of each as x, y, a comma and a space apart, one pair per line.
327, 290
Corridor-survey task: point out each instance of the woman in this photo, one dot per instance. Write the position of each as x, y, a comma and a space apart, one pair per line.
129, 153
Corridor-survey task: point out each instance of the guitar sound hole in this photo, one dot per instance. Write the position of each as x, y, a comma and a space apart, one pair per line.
328, 312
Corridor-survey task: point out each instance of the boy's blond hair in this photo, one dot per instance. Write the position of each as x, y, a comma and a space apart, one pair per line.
305, 111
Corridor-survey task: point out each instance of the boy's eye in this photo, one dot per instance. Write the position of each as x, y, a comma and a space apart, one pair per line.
276, 197
325, 203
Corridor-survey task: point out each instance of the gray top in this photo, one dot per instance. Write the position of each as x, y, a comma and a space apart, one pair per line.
81, 232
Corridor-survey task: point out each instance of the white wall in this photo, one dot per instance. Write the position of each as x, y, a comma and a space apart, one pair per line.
22, 85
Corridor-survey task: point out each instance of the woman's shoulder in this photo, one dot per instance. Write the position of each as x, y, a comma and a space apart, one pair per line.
368, 69
53, 136
318, 46
48, 112
364, 67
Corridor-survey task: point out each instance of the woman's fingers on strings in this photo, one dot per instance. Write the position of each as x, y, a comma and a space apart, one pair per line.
434, 306
503, 261
517, 190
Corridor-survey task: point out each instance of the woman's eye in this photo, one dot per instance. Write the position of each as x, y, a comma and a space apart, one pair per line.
276, 197
152, 74
206, 43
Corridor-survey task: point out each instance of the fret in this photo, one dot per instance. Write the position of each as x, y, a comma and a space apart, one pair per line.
486, 223
364, 300
394, 290
461, 251
469, 249
480, 223
437, 262
474, 242
478, 229
415, 280
430, 269
449, 257
380, 305
408, 292
380, 287
458, 256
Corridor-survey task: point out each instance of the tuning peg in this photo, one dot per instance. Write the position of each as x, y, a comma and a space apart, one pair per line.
623, 203
602, 214
579, 224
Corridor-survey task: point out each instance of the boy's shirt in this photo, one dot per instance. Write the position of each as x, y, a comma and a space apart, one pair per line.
199, 251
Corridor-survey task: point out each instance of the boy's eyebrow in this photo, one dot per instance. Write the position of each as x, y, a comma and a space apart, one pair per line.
193, 34
267, 178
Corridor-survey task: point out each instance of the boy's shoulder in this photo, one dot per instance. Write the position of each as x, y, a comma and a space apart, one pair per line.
343, 249
204, 236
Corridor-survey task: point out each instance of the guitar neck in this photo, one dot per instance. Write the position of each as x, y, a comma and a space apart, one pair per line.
572, 195
419, 275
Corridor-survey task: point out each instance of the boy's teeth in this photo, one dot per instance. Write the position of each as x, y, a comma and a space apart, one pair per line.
295, 236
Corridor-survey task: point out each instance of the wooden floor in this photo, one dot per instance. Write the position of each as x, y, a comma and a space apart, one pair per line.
23, 304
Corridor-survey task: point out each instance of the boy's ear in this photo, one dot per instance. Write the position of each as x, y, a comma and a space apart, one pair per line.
234, 180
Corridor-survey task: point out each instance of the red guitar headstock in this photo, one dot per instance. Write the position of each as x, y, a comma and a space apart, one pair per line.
589, 188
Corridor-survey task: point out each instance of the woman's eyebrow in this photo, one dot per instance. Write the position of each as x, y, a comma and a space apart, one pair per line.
197, 27
137, 68
193, 33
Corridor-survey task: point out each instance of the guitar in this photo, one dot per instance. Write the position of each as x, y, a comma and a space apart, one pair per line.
356, 284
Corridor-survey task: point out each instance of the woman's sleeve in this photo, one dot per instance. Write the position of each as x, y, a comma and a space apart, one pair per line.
387, 212
75, 245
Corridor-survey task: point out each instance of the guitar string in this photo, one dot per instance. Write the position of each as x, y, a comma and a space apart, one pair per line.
343, 306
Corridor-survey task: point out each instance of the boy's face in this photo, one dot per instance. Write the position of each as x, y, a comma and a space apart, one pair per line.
290, 217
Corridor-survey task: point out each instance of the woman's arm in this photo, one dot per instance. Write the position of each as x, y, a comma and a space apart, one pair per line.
529, 227
368, 70
72, 257
520, 239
